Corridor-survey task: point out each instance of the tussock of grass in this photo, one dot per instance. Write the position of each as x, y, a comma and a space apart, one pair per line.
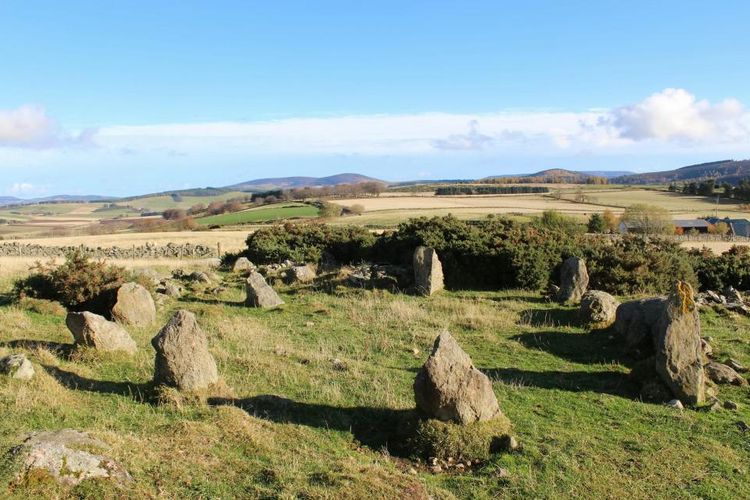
447, 440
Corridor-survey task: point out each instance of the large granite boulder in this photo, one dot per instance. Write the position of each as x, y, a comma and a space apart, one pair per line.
679, 356
636, 323
68, 456
598, 309
574, 280
133, 306
449, 388
17, 366
182, 357
428, 271
96, 331
300, 274
259, 293
243, 266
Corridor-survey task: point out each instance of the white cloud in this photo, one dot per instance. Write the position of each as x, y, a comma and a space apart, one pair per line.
677, 115
22, 188
30, 127
472, 140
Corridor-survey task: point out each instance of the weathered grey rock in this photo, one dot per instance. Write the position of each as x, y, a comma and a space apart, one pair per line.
300, 274
732, 295
735, 365
598, 309
723, 374
730, 405
676, 404
17, 366
739, 308
715, 297
170, 289
679, 359
428, 271
182, 357
636, 322
259, 293
449, 388
198, 277
96, 331
134, 306
149, 274
68, 456
243, 265
574, 280
213, 262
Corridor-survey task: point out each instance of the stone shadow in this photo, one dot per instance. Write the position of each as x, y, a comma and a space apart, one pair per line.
58, 348
553, 317
595, 347
614, 383
142, 392
376, 428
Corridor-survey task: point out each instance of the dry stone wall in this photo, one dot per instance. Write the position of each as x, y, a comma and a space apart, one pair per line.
148, 251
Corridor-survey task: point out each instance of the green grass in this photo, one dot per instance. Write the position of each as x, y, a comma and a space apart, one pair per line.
287, 424
262, 214
161, 203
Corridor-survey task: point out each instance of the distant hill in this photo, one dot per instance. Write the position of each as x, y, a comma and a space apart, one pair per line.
723, 171
272, 183
552, 175
62, 198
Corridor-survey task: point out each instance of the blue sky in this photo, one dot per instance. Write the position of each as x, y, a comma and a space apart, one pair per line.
129, 97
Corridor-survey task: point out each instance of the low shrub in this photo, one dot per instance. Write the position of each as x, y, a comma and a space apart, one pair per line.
78, 281
715, 272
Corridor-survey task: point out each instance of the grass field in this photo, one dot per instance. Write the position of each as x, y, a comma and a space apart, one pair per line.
287, 424
262, 214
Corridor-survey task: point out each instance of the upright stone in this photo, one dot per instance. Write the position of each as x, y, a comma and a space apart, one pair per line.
259, 293
574, 281
182, 357
428, 271
679, 359
449, 388
134, 306
96, 331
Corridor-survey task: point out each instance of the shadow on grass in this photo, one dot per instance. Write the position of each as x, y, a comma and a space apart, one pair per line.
376, 428
614, 383
556, 316
57, 348
520, 298
138, 392
589, 348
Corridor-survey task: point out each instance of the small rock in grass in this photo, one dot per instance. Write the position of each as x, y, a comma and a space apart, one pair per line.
339, 365
17, 366
676, 404
502, 473
735, 365
730, 405
309, 324
742, 426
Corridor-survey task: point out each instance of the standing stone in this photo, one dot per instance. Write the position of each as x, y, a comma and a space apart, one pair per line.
449, 388
598, 309
574, 280
243, 265
96, 331
679, 358
636, 322
134, 306
17, 366
428, 271
182, 357
68, 456
259, 293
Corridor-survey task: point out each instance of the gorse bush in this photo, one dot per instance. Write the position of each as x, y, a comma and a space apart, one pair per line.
501, 253
75, 283
715, 272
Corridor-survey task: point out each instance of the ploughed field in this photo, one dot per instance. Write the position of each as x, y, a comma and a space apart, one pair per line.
310, 391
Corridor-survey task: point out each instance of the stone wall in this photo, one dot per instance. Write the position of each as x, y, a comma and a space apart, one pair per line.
148, 251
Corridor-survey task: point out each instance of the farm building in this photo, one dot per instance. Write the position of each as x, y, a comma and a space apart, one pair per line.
737, 227
684, 225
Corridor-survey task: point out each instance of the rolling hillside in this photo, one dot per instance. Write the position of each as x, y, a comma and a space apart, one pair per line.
731, 171
268, 184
